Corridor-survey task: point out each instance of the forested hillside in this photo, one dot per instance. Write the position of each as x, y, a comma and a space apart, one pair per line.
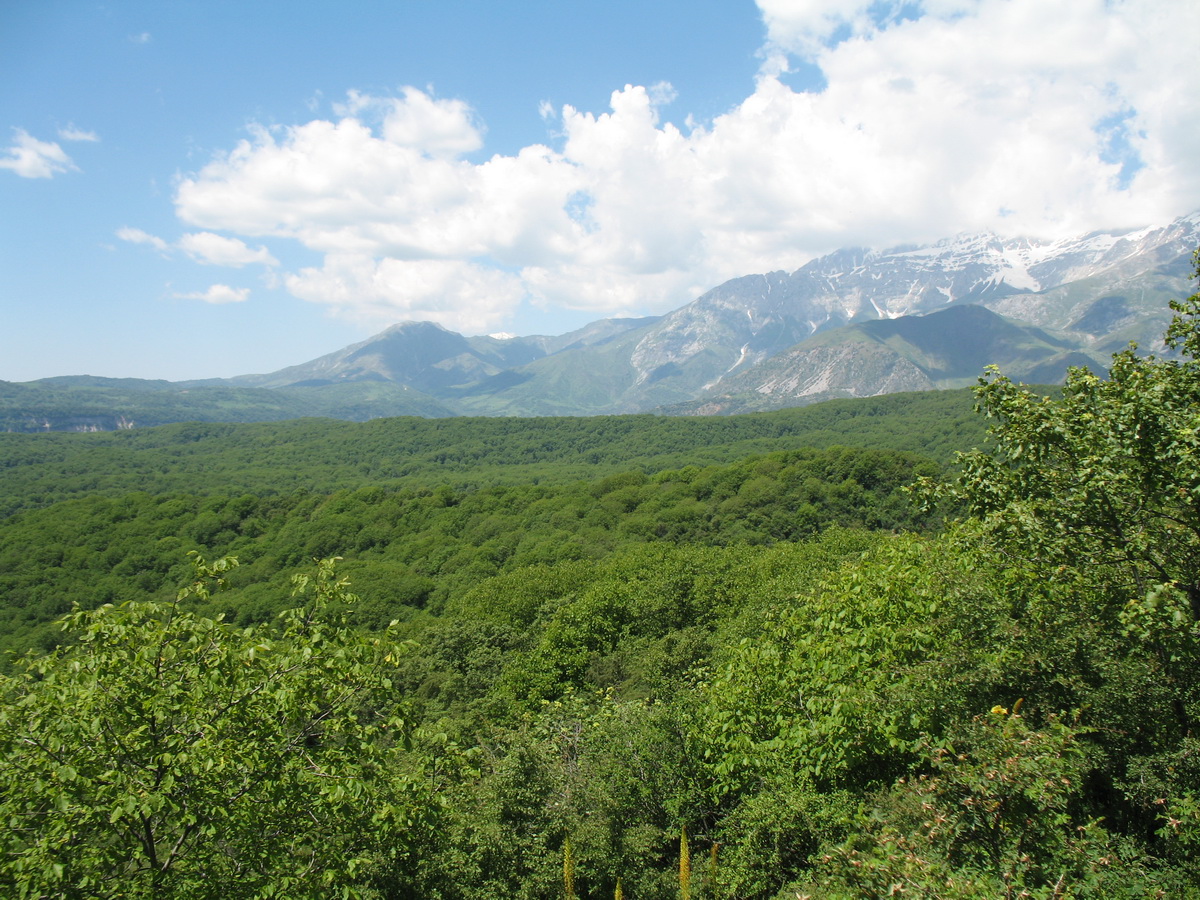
322, 456
626, 657
415, 549
87, 404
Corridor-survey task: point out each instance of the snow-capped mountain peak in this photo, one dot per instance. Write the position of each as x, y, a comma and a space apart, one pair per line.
756, 316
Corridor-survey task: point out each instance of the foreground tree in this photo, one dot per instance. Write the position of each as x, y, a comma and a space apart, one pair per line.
1108, 476
1090, 504
1010, 709
167, 754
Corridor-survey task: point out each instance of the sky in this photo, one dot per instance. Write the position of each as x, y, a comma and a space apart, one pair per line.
200, 188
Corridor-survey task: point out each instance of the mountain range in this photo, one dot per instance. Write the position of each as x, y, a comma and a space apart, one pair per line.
854, 323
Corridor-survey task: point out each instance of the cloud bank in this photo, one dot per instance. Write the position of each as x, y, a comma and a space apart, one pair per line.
935, 117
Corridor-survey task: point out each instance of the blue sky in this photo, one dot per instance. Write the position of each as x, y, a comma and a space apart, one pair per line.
204, 189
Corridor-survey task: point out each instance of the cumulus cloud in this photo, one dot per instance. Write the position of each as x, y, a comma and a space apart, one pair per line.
31, 158
218, 293
394, 289
1001, 106
217, 250
935, 117
805, 27
137, 236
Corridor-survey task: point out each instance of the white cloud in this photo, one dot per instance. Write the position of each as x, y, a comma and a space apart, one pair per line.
393, 289
442, 127
662, 94
988, 105
137, 236
936, 117
416, 120
217, 250
71, 133
143, 37
805, 27
204, 247
218, 293
31, 158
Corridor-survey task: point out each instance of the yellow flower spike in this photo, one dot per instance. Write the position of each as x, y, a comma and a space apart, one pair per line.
999, 710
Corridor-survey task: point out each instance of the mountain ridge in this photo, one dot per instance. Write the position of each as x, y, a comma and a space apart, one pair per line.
779, 338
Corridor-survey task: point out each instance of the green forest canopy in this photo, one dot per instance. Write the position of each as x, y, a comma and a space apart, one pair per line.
321, 455
750, 677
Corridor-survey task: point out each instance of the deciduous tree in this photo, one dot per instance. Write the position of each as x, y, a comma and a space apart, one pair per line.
168, 754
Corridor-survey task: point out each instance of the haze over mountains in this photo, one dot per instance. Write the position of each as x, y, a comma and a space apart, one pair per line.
854, 323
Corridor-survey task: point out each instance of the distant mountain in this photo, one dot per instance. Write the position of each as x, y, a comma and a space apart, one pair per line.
1061, 285
421, 355
1090, 295
945, 349
855, 323
428, 357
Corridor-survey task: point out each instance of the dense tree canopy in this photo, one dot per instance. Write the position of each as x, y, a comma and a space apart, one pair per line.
762, 679
169, 754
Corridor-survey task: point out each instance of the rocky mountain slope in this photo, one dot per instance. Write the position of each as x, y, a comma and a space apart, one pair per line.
1090, 295
945, 349
1115, 284
857, 322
